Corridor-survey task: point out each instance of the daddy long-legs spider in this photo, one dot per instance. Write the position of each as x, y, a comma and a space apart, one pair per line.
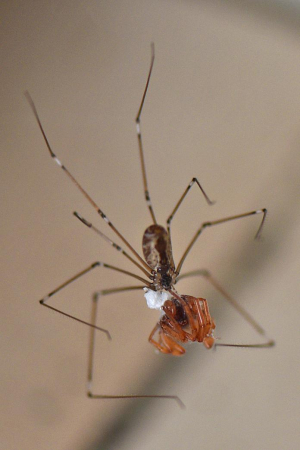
183, 318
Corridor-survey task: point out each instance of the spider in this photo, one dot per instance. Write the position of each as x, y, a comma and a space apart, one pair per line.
183, 317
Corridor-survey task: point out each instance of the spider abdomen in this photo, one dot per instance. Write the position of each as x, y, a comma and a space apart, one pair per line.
157, 248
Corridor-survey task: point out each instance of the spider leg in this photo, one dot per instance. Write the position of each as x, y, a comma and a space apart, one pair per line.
206, 322
78, 185
171, 216
90, 393
192, 322
139, 136
166, 342
78, 275
246, 316
218, 222
112, 243
160, 345
174, 348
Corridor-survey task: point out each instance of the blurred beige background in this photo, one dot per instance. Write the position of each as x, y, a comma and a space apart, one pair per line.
224, 106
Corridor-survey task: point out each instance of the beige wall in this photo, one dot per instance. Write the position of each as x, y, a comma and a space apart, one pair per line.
223, 105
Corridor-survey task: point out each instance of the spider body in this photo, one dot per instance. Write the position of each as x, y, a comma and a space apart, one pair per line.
157, 250
185, 318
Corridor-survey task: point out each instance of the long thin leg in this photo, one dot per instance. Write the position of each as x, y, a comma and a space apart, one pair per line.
218, 222
246, 316
139, 136
80, 274
113, 244
91, 201
90, 394
171, 216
